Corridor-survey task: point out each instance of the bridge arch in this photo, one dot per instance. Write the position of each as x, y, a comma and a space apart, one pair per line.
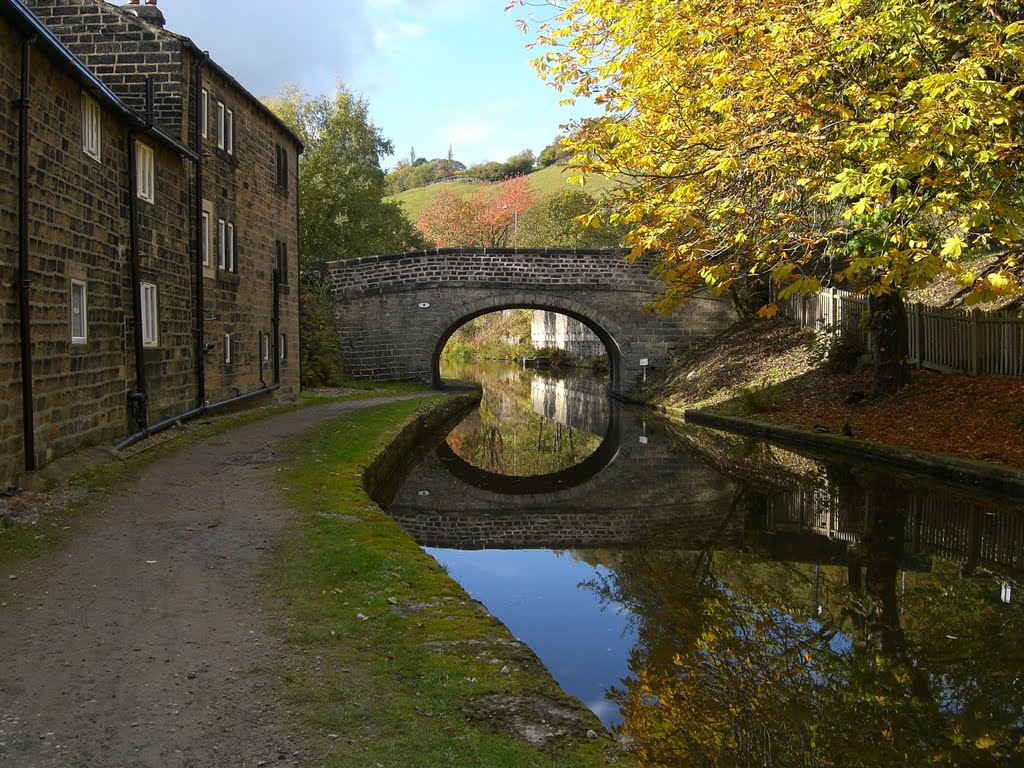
394, 313
617, 344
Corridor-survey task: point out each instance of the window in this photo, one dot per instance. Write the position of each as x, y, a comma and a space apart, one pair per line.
228, 352
281, 173
204, 239
229, 249
79, 313
282, 262
220, 125
284, 346
229, 132
204, 112
221, 252
91, 121
145, 176
265, 347
150, 315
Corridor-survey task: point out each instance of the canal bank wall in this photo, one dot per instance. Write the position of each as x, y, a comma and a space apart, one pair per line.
408, 445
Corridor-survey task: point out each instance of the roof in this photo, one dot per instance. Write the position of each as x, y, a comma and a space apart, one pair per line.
196, 50
24, 20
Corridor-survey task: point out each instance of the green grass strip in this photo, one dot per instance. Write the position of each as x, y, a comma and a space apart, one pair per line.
391, 657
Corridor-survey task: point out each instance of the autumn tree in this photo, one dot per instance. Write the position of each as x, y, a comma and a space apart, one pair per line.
488, 218
872, 143
448, 220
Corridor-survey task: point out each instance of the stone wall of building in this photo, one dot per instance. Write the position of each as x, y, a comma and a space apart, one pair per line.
552, 330
241, 187
123, 52
80, 209
79, 231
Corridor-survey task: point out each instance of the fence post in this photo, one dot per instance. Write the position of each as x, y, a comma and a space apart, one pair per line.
837, 326
975, 339
919, 333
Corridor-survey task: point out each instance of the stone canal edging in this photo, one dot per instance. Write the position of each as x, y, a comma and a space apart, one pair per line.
977, 475
411, 439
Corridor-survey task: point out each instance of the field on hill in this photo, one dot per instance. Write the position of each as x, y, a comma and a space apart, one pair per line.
546, 181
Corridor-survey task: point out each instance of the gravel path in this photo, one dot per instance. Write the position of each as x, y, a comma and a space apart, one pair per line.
142, 642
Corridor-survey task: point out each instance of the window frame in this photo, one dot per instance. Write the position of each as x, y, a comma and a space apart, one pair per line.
83, 338
283, 351
228, 349
92, 127
204, 237
145, 172
281, 169
229, 131
150, 301
221, 253
265, 348
204, 113
220, 124
231, 266
282, 262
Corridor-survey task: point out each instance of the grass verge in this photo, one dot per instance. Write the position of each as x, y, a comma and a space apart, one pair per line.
393, 664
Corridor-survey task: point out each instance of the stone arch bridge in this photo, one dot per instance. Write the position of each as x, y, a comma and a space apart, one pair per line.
395, 313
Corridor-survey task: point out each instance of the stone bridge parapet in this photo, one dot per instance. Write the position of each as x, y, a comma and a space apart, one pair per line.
395, 313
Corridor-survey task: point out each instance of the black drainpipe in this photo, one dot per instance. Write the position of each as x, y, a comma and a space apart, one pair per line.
197, 140
298, 261
137, 399
276, 323
24, 284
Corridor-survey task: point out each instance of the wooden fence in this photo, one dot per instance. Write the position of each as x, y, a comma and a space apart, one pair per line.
958, 340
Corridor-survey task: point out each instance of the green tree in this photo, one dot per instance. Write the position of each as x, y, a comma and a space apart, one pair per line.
343, 213
871, 142
556, 221
341, 184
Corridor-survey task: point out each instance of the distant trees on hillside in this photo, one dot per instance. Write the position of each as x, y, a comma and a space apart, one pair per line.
420, 172
512, 214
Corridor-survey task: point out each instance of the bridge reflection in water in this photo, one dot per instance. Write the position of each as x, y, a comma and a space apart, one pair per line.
758, 605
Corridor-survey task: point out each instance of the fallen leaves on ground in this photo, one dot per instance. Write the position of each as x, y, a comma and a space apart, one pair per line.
977, 417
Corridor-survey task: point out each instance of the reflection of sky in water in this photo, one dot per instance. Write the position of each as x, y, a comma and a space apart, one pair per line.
536, 594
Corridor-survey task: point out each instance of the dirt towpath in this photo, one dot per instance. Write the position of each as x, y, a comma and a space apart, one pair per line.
141, 642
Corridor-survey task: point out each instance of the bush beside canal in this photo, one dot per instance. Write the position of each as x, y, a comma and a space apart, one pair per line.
394, 663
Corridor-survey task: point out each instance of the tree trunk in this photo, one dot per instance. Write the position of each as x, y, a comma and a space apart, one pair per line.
889, 337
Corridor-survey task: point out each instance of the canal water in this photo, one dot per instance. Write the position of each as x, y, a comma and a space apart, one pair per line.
717, 600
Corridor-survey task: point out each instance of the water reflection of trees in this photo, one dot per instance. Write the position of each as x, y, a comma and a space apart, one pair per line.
507, 437
743, 661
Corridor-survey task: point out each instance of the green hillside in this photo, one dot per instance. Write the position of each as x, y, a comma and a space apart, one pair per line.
545, 181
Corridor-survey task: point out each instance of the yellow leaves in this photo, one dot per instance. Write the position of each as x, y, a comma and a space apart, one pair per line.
985, 742
768, 311
953, 247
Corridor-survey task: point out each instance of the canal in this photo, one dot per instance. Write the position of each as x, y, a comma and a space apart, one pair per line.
717, 600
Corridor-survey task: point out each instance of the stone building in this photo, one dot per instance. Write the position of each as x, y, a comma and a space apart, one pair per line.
149, 230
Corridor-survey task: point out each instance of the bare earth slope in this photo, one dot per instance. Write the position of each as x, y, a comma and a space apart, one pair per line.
142, 642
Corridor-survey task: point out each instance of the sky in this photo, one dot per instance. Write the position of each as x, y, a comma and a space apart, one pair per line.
434, 72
